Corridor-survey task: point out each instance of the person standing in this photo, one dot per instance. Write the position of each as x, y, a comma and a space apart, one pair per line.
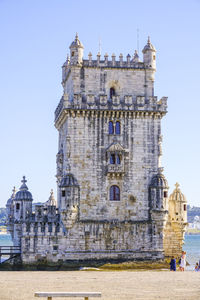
173, 264
183, 261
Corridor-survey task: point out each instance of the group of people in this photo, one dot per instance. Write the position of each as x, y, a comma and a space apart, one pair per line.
182, 262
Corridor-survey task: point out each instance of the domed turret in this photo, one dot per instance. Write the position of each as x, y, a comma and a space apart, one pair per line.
22, 202
23, 193
69, 192
149, 55
68, 180
159, 181
158, 191
178, 205
76, 51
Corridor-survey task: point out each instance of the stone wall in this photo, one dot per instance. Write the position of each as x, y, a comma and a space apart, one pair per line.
93, 241
86, 143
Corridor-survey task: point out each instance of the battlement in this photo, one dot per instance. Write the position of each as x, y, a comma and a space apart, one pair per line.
104, 102
121, 63
40, 228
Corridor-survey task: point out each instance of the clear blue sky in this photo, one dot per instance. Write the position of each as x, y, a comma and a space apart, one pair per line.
34, 40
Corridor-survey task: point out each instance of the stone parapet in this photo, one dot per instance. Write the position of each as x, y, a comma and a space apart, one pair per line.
117, 103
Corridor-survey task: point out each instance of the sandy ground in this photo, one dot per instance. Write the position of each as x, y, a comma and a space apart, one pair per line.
113, 285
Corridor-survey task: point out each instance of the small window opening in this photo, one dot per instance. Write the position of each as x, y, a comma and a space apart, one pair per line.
165, 194
117, 127
111, 128
63, 193
154, 57
55, 248
118, 160
17, 206
114, 193
72, 53
112, 92
185, 207
112, 159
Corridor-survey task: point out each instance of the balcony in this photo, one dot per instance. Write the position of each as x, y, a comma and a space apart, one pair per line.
114, 168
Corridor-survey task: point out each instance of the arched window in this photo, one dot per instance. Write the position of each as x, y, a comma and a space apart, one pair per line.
17, 206
114, 193
112, 159
111, 128
117, 127
118, 160
112, 92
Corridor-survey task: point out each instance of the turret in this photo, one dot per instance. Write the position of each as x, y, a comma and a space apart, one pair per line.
177, 206
158, 192
76, 52
22, 202
69, 199
149, 55
10, 210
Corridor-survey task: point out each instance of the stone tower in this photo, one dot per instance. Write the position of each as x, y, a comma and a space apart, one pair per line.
108, 161
112, 196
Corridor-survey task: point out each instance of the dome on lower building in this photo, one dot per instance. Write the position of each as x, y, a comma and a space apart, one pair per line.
68, 180
23, 193
159, 181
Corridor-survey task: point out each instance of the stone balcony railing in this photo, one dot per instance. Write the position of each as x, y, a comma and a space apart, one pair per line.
103, 102
115, 168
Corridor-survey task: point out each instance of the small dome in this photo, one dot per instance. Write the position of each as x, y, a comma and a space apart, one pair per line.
10, 200
177, 195
76, 43
159, 181
68, 180
148, 46
23, 193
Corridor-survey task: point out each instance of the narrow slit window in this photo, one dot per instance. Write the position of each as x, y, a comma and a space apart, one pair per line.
112, 92
165, 194
111, 128
112, 159
118, 160
17, 206
63, 193
117, 127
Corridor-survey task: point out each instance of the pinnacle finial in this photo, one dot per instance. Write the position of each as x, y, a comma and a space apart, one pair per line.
51, 201
23, 186
13, 192
148, 41
76, 36
177, 185
24, 180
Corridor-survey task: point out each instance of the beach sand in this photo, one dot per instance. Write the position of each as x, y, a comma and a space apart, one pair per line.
20, 285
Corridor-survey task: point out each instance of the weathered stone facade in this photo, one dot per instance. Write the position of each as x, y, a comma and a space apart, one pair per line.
112, 197
176, 224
